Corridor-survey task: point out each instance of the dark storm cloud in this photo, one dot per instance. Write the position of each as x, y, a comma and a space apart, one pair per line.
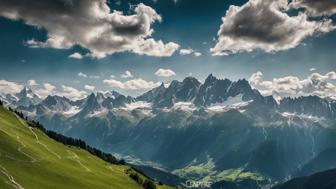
91, 24
264, 25
316, 7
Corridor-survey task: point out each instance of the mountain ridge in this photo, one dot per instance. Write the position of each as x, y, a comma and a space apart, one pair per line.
212, 92
219, 127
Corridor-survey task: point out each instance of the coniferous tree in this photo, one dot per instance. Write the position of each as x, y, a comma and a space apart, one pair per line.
148, 184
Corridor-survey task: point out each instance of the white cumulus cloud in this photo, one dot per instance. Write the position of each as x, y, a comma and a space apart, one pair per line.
71, 93
189, 51
76, 55
134, 84
10, 87
197, 54
186, 51
89, 87
165, 72
32, 83
127, 74
47, 89
292, 86
265, 25
80, 74
90, 24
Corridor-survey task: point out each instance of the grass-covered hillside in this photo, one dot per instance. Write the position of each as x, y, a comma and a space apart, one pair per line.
29, 159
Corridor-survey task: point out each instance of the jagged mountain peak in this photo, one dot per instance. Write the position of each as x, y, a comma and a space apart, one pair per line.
176, 92
162, 85
90, 106
53, 99
174, 84
212, 81
26, 97
151, 95
242, 86
310, 105
212, 91
56, 103
191, 79
215, 91
92, 99
187, 82
210, 78
244, 82
25, 92
116, 101
191, 82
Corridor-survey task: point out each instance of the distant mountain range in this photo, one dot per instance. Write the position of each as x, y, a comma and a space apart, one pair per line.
216, 130
214, 94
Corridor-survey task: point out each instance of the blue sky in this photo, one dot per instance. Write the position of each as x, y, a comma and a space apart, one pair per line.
192, 24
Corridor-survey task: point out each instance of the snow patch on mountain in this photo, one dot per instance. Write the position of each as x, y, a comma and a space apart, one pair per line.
72, 111
291, 115
235, 102
184, 106
99, 113
137, 105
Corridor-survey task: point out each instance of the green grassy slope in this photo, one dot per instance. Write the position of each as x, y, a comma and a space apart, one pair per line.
29, 159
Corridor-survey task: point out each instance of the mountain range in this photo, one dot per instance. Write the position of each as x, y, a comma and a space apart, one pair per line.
211, 131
